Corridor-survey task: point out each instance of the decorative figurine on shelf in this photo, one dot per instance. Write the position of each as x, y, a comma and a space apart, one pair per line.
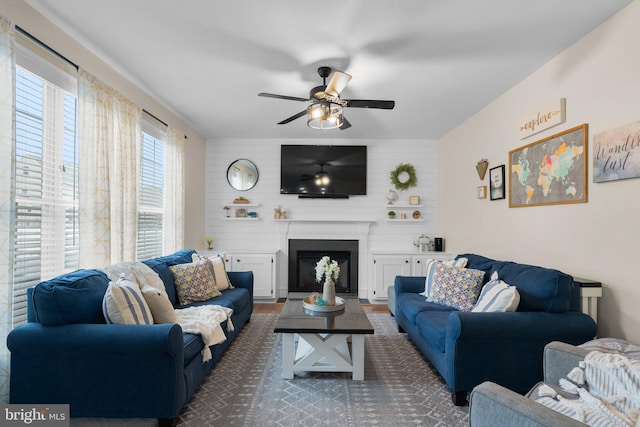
422, 243
392, 196
330, 270
209, 242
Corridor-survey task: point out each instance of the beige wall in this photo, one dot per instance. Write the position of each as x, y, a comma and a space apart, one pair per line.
600, 240
31, 21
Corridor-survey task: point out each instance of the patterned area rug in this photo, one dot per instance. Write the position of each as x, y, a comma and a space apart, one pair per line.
247, 388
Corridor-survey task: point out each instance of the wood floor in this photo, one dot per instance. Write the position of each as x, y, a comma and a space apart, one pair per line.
276, 307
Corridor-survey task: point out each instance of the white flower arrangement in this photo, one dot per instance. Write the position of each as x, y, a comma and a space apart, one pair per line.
327, 267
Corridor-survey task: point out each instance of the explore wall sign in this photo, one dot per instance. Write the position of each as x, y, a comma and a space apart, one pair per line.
543, 118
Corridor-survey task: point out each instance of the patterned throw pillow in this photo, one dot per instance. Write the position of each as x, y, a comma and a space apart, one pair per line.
431, 263
194, 282
218, 270
123, 304
456, 287
497, 296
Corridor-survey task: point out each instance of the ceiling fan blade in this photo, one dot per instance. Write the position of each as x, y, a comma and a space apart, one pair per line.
337, 83
345, 123
290, 98
370, 103
292, 118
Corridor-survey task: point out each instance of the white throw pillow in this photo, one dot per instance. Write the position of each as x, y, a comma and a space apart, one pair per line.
159, 304
431, 263
218, 270
123, 303
497, 296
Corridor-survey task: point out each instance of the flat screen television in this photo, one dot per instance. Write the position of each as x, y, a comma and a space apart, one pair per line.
323, 171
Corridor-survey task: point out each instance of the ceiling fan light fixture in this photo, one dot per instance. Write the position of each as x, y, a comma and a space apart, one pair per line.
324, 116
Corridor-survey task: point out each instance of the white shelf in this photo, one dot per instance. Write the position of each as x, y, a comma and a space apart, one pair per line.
247, 218
242, 205
403, 206
405, 220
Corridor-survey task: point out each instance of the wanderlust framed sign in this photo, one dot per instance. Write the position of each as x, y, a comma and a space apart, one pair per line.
616, 153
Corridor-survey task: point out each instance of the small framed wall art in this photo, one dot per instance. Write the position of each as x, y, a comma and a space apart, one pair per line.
414, 200
496, 183
482, 192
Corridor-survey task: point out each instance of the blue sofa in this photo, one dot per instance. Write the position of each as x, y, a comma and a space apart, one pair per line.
468, 348
68, 354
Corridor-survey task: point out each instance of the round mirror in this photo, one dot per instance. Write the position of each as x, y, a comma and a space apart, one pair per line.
242, 174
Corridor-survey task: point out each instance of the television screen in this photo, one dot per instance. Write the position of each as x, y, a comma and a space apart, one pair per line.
323, 170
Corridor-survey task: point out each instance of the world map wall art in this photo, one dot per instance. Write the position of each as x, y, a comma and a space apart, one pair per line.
550, 171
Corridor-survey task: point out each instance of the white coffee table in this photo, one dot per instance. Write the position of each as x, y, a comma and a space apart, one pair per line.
322, 339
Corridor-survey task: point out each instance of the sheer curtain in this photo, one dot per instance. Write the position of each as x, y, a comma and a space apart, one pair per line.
174, 192
7, 188
110, 141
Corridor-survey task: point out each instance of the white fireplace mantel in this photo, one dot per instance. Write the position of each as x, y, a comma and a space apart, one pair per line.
331, 229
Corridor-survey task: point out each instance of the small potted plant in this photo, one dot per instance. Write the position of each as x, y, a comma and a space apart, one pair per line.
240, 201
392, 214
209, 242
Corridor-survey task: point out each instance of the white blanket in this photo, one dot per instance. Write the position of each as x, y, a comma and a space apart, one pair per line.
608, 386
205, 320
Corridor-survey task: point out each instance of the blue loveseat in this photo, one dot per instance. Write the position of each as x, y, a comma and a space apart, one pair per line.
468, 348
67, 354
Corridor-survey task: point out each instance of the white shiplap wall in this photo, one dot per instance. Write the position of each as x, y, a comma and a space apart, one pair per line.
265, 235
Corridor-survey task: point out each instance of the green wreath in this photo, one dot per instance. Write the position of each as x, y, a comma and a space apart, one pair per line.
411, 181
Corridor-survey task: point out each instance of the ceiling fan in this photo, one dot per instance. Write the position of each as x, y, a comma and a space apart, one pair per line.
325, 110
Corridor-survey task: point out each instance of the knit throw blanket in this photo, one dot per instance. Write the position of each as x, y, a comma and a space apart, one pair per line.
607, 390
205, 320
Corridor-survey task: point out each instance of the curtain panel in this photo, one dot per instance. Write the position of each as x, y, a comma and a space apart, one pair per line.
110, 141
174, 192
7, 192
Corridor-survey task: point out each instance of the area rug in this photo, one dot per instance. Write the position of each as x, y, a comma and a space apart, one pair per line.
247, 389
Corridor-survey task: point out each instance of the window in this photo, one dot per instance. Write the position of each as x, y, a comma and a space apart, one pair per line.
46, 175
151, 192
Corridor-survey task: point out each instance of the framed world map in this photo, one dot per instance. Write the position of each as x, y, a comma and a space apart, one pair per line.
550, 171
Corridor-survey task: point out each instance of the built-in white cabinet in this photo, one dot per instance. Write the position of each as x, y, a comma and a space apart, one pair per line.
386, 266
263, 266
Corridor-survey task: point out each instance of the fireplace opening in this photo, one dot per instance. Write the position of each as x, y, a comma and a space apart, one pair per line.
305, 253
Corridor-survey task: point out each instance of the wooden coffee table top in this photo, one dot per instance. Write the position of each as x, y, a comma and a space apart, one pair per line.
294, 318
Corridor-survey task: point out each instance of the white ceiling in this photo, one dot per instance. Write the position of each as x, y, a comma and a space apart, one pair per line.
441, 61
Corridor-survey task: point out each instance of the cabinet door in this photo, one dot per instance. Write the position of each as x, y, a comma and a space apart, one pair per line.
262, 266
419, 267
419, 262
387, 267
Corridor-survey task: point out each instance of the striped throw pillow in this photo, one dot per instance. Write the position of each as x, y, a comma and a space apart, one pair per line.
497, 296
430, 267
123, 303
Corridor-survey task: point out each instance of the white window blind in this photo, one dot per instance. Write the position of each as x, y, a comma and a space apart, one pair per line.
46, 233
151, 192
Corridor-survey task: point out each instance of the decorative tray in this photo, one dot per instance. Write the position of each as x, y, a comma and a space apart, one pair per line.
324, 308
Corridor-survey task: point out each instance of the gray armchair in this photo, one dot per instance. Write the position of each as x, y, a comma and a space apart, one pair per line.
492, 405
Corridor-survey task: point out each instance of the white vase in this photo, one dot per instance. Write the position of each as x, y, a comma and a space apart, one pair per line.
329, 292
